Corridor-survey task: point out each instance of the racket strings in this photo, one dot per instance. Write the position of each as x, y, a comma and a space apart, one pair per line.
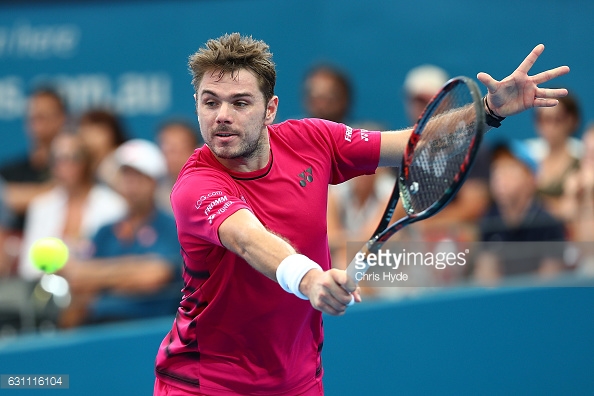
441, 153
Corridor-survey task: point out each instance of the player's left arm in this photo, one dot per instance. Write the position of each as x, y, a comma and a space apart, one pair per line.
514, 94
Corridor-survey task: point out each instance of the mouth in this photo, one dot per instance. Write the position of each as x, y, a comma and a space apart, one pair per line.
225, 137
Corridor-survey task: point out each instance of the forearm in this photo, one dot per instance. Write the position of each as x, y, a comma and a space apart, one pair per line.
441, 127
245, 236
19, 195
127, 274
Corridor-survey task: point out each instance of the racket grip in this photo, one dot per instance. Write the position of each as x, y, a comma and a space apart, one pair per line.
359, 265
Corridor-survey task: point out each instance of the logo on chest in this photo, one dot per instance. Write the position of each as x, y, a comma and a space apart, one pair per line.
306, 177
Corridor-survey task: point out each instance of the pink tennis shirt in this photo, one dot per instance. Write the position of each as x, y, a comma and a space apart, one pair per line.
236, 331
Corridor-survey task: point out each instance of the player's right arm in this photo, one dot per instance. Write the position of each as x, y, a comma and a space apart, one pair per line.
243, 234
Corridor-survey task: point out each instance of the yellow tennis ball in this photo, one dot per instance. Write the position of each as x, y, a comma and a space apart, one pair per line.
49, 254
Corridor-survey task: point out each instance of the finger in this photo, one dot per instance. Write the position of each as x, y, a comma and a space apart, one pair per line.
527, 64
352, 302
342, 279
488, 81
338, 305
550, 74
545, 93
330, 310
357, 295
541, 102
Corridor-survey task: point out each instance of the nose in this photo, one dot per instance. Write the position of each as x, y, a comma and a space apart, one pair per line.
224, 114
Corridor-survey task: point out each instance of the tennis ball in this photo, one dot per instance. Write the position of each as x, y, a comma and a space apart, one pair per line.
49, 254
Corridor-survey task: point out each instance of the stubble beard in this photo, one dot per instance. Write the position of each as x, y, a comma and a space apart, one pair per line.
247, 149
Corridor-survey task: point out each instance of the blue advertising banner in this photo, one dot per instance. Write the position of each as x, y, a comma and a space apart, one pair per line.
132, 55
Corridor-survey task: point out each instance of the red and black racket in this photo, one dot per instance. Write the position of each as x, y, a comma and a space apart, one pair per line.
439, 154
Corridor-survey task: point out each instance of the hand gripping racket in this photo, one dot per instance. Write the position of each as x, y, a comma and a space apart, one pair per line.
436, 161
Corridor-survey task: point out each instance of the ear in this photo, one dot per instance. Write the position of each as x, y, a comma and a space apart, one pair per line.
271, 109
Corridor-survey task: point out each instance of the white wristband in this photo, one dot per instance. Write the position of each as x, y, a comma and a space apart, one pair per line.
291, 270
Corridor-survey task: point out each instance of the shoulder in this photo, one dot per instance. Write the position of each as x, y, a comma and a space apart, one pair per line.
49, 199
542, 216
103, 192
161, 218
307, 125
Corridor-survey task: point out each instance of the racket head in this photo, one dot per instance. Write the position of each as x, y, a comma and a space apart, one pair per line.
436, 161
439, 155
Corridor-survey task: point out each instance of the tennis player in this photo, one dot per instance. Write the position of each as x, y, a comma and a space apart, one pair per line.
250, 208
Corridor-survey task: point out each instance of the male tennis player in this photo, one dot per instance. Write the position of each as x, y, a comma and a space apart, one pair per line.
251, 207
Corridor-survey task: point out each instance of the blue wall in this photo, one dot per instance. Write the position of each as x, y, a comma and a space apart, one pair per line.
133, 53
473, 342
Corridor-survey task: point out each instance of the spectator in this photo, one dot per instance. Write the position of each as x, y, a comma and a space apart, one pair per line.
29, 176
420, 85
355, 208
177, 140
559, 151
458, 219
517, 216
102, 132
577, 205
74, 209
328, 94
135, 269
6, 218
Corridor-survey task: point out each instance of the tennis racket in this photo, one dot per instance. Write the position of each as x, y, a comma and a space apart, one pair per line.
436, 161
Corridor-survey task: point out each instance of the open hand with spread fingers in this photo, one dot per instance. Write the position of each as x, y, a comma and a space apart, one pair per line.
519, 91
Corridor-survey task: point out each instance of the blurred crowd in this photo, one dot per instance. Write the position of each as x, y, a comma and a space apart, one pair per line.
87, 181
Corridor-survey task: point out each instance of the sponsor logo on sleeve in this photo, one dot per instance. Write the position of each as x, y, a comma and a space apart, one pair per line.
204, 197
214, 203
348, 134
364, 135
217, 207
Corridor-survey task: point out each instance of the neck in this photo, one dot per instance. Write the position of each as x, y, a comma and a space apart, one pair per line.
139, 211
557, 150
79, 191
514, 212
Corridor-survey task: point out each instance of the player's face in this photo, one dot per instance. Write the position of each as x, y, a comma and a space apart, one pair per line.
233, 114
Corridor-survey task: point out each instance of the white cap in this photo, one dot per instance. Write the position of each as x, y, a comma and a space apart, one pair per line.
425, 80
143, 156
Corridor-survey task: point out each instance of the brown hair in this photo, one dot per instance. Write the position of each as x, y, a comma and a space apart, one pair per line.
108, 119
229, 54
572, 108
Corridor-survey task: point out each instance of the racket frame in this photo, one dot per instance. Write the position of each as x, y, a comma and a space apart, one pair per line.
384, 231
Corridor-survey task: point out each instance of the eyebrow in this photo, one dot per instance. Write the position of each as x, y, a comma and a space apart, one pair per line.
234, 96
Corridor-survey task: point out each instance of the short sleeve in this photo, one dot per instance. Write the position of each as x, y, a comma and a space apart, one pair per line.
202, 201
354, 152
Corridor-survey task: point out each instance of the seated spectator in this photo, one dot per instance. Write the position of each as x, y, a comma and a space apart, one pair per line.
458, 219
6, 218
355, 209
328, 94
558, 152
177, 139
517, 216
134, 269
578, 202
74, 209
29, 176
102, 132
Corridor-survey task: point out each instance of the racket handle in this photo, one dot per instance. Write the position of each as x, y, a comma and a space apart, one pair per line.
359, 265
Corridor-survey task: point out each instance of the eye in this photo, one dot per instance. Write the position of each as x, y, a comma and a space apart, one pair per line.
241, 104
